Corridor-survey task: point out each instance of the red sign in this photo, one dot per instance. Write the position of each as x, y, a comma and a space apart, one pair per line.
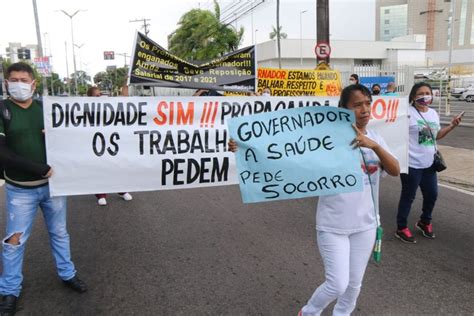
109, 55
322, 50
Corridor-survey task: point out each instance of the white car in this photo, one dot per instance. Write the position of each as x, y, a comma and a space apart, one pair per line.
468, 95
457, 92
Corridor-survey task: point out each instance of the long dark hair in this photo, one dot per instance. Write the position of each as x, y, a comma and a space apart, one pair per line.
347, 93
356, 77
414, 89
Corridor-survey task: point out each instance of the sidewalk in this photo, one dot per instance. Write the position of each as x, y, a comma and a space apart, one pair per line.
460, 171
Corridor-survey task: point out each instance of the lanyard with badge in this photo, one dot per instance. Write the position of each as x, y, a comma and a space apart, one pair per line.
377, 253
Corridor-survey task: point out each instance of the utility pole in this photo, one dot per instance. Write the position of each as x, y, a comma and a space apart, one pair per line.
125, 55
145, 24
322, 27
39, 52
278, 33
301, 37
67, 71
452, 15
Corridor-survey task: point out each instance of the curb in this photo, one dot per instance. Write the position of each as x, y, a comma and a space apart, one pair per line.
457, 183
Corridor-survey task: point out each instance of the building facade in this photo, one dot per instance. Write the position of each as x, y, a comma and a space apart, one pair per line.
432, 18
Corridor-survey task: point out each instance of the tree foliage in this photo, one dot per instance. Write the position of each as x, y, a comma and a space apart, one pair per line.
201, 35
111, 80
273, 34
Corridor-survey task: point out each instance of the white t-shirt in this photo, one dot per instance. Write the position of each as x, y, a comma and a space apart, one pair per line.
422, 145
352, 212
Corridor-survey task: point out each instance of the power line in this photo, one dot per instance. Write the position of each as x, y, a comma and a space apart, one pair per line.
145, 24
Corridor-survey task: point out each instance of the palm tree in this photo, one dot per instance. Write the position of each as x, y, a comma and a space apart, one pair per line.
273, 33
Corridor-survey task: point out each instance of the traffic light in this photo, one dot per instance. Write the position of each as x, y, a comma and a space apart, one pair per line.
21, 53
24, 53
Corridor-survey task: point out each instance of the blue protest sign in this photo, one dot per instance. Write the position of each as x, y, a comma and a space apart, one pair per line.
296, 153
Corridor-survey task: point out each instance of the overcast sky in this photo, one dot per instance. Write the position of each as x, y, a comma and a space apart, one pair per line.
105, 26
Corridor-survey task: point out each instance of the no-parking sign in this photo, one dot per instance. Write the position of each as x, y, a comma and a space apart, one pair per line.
322, 50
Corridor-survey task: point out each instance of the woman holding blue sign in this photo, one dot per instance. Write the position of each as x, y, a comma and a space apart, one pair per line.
346, 223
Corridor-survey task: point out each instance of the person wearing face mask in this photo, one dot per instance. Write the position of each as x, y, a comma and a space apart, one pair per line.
354, 79
376, 89
26, 173
424, 131
266, 92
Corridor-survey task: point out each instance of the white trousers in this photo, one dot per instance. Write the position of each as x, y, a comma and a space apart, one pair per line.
345, 258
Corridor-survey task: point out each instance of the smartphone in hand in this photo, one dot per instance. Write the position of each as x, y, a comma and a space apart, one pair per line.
460, 114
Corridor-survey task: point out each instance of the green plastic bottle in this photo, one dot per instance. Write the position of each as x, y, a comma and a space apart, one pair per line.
378, 244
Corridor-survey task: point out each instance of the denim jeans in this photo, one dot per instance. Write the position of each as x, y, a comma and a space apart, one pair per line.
22, 206
427, 180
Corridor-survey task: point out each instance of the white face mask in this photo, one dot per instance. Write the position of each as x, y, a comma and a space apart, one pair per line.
265, 94
20, 91
424, 100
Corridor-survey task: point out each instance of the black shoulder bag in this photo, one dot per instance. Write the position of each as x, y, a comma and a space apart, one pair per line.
438, 163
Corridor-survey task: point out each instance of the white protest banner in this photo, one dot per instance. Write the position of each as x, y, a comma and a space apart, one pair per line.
389, 117
106, 145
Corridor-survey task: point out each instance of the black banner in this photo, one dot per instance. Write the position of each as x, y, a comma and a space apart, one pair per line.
153, 65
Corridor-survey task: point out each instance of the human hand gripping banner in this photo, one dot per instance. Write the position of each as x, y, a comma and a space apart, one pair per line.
153, 65
296, 153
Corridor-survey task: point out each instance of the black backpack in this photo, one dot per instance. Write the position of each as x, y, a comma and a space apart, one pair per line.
6, 116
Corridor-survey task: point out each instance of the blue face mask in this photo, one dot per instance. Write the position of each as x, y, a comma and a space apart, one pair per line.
424, 100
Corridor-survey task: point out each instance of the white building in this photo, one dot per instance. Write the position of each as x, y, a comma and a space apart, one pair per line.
397, 58
295, 53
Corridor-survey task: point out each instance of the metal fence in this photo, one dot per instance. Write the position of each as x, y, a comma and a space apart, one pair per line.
404, 75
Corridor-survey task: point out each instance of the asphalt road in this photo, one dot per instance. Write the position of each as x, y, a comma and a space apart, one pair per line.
457, 107
202, 252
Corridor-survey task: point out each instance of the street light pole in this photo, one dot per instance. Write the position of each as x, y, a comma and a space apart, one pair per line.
452, 15
301, 37
80, 59
67, 71
40, 45
73, 51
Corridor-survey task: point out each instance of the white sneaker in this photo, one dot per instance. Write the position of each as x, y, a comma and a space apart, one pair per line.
126, 196
102, 202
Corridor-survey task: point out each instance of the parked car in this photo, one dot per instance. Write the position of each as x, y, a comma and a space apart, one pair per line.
457, 92
468, 95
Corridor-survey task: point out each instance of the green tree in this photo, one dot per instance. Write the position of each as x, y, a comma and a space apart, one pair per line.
201, 35
56, 85
273, 33
111, 80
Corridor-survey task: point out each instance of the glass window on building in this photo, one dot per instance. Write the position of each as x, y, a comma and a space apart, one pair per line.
462, 22
472, 28
393, 21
